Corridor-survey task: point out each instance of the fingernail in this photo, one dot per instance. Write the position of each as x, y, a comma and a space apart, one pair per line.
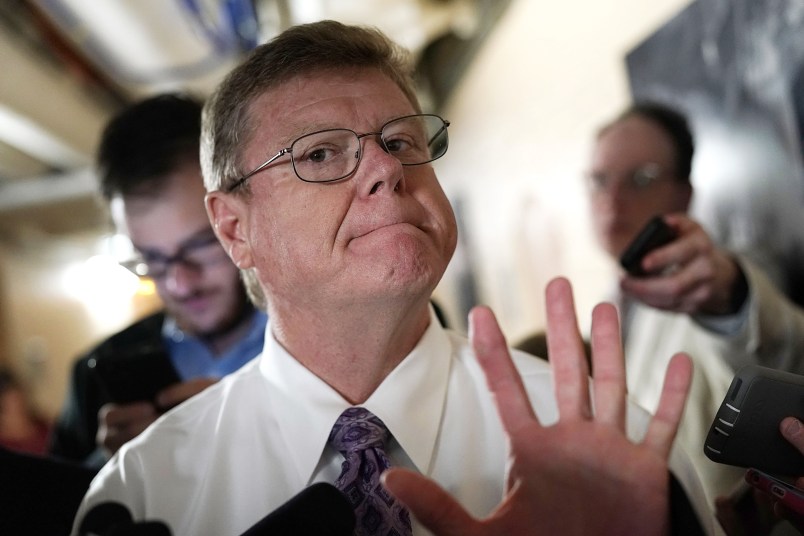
792, 427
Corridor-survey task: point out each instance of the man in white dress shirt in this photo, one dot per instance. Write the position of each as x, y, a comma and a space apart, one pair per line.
316, 157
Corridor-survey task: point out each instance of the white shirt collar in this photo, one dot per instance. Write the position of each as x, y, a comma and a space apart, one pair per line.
410, 401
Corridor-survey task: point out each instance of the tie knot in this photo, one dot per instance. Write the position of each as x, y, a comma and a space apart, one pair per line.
357, 429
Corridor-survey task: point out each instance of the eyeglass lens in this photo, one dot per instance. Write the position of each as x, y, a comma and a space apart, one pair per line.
194, 255
334, 154
639, 180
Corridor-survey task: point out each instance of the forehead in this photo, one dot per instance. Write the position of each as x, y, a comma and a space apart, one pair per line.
632, 142
165, 221
353, 98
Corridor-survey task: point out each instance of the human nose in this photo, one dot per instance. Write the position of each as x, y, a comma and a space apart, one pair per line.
179, 279
613, 193
381, 171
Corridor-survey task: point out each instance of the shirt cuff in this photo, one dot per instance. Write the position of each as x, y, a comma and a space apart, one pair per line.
726, 324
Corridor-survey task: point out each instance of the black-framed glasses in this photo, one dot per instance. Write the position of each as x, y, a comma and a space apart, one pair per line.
194, 254
334, 154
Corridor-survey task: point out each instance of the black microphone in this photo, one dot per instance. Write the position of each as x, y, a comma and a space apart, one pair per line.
114, 519
318, 510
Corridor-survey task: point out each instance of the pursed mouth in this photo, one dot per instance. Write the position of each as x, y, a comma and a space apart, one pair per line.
385, 227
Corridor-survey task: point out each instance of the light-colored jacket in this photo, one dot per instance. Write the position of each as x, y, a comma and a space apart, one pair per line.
654, 336
773, 336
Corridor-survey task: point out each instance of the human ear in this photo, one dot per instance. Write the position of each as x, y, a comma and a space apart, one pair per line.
227, 214
686, 196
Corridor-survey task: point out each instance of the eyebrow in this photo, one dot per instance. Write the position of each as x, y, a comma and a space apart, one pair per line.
298, 129
201, 234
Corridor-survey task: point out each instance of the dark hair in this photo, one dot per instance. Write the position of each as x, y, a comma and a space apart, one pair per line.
147, 141
7, 380
673, 123
324, 46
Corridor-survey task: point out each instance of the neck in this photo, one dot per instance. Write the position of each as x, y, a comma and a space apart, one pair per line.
222, 340
17, 427
352, 348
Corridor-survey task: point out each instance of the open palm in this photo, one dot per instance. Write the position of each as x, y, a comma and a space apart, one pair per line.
582, 475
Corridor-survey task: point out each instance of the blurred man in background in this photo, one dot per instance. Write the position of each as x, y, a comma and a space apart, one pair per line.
150, 174
640, 168
692, 295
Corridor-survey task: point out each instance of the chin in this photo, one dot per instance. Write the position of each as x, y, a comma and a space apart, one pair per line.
197, 324
413, 279
615, 244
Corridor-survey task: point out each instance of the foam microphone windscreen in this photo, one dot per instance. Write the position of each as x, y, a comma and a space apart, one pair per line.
114, 519
103, 517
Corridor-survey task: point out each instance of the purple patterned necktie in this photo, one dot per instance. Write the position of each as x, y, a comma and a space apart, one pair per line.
360, 436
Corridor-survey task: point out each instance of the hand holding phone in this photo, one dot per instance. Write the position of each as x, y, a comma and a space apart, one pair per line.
136, 374
745, 431
785, 493
654, 235
746, 511
120, 423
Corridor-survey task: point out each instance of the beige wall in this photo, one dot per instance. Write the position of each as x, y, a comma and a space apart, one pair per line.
522, 121
46, 323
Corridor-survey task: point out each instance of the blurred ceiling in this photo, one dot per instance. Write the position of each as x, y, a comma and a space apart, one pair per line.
68, 65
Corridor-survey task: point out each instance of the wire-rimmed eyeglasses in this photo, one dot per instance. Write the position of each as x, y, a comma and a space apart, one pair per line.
334, 154
640, 180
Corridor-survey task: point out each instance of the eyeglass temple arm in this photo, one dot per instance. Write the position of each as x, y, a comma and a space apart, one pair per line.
259, 168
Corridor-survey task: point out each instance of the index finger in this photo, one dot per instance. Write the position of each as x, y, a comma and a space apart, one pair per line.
502, 377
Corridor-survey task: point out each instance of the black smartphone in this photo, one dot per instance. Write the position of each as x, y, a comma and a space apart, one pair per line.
138, 373
655, 234
745, 430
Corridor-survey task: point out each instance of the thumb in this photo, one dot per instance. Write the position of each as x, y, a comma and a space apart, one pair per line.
429, 503
793, 431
